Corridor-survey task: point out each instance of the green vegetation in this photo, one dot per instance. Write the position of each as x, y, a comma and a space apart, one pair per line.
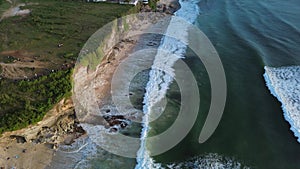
26, 102
152, 4
98, 42
51, 22
54, 22
97, 46
4, 5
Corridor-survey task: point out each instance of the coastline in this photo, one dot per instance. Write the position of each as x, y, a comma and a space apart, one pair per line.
42, 155
16, 154
36, 144
160, 81
92, 85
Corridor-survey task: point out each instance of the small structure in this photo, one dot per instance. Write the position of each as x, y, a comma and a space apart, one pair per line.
130, 2
60, 45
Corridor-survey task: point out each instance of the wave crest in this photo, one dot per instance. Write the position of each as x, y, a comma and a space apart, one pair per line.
284, 84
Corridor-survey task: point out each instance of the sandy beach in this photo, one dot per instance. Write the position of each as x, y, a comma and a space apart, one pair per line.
36, 145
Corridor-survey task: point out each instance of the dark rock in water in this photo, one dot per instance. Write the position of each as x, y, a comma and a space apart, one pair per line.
113, 117
113, 130
151, 44
20, 139
123, 124
114, 120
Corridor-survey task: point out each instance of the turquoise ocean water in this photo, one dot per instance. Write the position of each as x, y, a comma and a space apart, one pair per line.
248, 35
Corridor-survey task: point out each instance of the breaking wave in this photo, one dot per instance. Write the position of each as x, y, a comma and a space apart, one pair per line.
208, 161
161, 74
211, 160
284, 84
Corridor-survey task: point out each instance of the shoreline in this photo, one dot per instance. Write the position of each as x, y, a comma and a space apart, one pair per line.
159, 83
15, 154
104, 105
38, 142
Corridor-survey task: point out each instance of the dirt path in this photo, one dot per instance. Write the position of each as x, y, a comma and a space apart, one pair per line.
19, 64
14, 10
18, 70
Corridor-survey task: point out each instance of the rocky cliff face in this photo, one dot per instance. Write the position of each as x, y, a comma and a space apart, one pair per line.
92, 95
92, 75
34, 146
104, 51
59, 126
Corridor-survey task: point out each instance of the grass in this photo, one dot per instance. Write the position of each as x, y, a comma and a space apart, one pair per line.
55, 22
50, 23
4, 5
26, 102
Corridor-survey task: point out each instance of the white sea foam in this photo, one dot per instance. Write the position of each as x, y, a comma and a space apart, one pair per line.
207, 161
212, 161
162, 73
284, 84
73, 156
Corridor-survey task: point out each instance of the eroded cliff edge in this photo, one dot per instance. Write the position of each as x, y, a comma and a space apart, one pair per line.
60, 125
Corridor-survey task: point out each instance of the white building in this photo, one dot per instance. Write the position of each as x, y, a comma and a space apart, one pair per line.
131, 2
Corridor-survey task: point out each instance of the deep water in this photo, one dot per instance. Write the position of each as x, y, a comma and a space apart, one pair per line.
248, 35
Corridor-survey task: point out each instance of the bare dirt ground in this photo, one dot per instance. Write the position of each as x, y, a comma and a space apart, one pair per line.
23, 65
15, 11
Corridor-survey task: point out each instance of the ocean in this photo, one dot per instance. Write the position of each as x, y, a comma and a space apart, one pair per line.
253, 132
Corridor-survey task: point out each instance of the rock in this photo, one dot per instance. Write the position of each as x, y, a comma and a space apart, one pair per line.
118, 121
69, 140
20, 139
123, 124
113, 130
49, 145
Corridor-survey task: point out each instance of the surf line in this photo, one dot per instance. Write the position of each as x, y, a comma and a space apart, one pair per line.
159, 81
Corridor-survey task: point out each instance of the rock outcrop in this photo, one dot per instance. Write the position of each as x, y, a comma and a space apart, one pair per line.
59, 126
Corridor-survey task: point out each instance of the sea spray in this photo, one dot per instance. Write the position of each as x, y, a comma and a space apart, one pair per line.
161, 74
